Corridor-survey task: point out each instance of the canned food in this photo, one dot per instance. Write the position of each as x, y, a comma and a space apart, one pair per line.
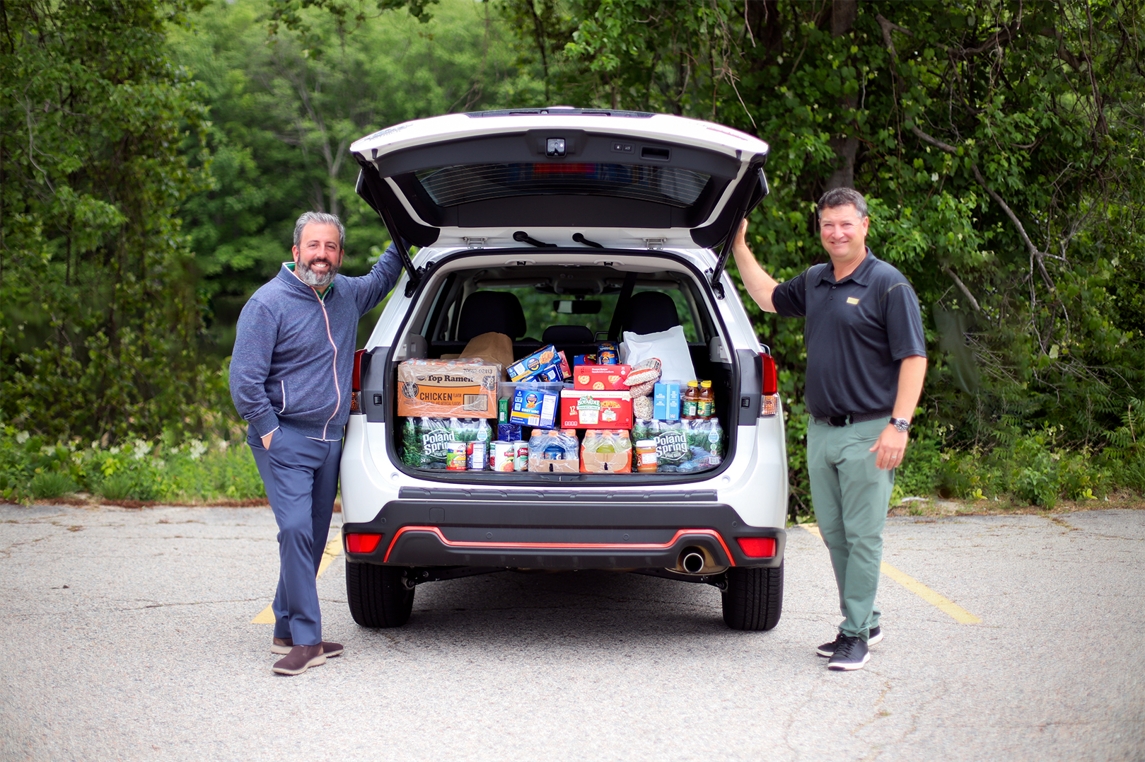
504, 456
521, 463
607, 353
475, 456
455, 456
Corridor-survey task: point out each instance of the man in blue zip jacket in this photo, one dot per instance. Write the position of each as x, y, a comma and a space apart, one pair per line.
290, 380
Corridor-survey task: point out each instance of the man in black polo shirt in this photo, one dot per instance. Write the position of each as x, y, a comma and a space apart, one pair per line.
866, 361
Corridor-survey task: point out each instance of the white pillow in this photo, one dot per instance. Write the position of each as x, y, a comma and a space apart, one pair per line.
670, 346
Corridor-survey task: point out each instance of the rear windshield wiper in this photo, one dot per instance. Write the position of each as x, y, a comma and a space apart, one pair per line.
521, 235
579, 238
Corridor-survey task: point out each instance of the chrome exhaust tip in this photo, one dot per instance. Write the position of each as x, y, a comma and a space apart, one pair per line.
692, 560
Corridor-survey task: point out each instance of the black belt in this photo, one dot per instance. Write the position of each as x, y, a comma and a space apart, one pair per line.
843, 420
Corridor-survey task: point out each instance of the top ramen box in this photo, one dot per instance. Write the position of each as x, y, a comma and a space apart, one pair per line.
462, 388
601, 378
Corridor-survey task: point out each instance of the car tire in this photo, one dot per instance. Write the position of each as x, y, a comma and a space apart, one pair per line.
378, 595
753, 599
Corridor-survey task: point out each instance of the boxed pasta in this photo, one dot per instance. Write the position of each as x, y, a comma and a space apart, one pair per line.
461, 388
534, 406
542, 365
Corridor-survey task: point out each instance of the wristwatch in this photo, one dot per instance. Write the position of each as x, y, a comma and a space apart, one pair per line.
901, 424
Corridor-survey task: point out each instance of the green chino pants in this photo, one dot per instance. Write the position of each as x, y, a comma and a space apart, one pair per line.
851, 497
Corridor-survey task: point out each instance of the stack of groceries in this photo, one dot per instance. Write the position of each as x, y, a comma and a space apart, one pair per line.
594, 415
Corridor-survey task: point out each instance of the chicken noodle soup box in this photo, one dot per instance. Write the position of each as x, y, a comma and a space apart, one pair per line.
462, 388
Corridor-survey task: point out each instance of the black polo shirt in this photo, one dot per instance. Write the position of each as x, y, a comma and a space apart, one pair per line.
857, 333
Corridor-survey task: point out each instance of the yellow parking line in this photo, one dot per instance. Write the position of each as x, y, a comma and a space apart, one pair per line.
943, 604
333, 550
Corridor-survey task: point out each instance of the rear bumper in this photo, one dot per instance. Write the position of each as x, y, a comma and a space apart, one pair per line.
512, 534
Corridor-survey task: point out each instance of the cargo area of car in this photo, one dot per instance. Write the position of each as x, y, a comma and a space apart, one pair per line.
458, 303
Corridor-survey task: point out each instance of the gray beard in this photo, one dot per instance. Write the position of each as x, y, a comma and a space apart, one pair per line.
307, 276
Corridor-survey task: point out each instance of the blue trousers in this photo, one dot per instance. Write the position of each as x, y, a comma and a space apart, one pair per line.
301, 480
851, 496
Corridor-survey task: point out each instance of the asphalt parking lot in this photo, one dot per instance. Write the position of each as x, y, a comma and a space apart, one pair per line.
130, 634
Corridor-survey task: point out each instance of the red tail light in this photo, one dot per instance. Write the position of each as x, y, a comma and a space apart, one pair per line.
356, 379
356, 383
770, 375
757, 547
362, 543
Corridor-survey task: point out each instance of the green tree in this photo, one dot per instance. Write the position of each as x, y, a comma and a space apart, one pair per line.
284, 110
999, 142
100, 317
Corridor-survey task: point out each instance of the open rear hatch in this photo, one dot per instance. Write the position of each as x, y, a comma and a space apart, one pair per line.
618, 179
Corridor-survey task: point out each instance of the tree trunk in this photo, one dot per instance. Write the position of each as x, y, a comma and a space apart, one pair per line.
843, 15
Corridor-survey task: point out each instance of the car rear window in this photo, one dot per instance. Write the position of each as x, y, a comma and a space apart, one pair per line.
464, 184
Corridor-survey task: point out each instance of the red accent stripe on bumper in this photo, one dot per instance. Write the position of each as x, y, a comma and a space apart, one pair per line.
558, 545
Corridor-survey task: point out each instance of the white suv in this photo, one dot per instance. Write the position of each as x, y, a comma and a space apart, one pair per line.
565, 226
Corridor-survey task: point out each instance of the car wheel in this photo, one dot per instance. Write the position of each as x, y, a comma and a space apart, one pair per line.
378, 595
754, 598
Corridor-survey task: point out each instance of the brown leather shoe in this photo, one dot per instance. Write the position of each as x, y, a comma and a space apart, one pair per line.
300, 659
282, 646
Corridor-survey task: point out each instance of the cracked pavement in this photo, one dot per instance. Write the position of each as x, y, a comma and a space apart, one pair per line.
129, 636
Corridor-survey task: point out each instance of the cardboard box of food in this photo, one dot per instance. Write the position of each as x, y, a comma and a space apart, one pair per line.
544, 362
448, 388
534, 407
595, 410
600, 377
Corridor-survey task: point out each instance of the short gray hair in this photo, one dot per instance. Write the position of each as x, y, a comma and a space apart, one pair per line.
837, 197
321, 218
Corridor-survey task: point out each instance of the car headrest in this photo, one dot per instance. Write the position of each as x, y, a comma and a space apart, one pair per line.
650, 312
486, 311
567, 334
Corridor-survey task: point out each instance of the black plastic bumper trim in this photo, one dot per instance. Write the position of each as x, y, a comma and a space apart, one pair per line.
557, 535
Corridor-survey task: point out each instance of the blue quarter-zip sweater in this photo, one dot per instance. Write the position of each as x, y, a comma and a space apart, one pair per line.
294, 350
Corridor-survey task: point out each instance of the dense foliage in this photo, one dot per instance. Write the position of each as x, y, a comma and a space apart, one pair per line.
284, 111
100, 320
1001, 145
154, 156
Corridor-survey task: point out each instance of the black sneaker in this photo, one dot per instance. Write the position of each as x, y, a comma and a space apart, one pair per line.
850, 653
874, 636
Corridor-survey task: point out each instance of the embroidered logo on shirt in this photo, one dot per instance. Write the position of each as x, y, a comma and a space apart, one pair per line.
852, 300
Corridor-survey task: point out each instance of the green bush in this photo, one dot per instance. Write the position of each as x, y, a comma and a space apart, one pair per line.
52, 484
165, 470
